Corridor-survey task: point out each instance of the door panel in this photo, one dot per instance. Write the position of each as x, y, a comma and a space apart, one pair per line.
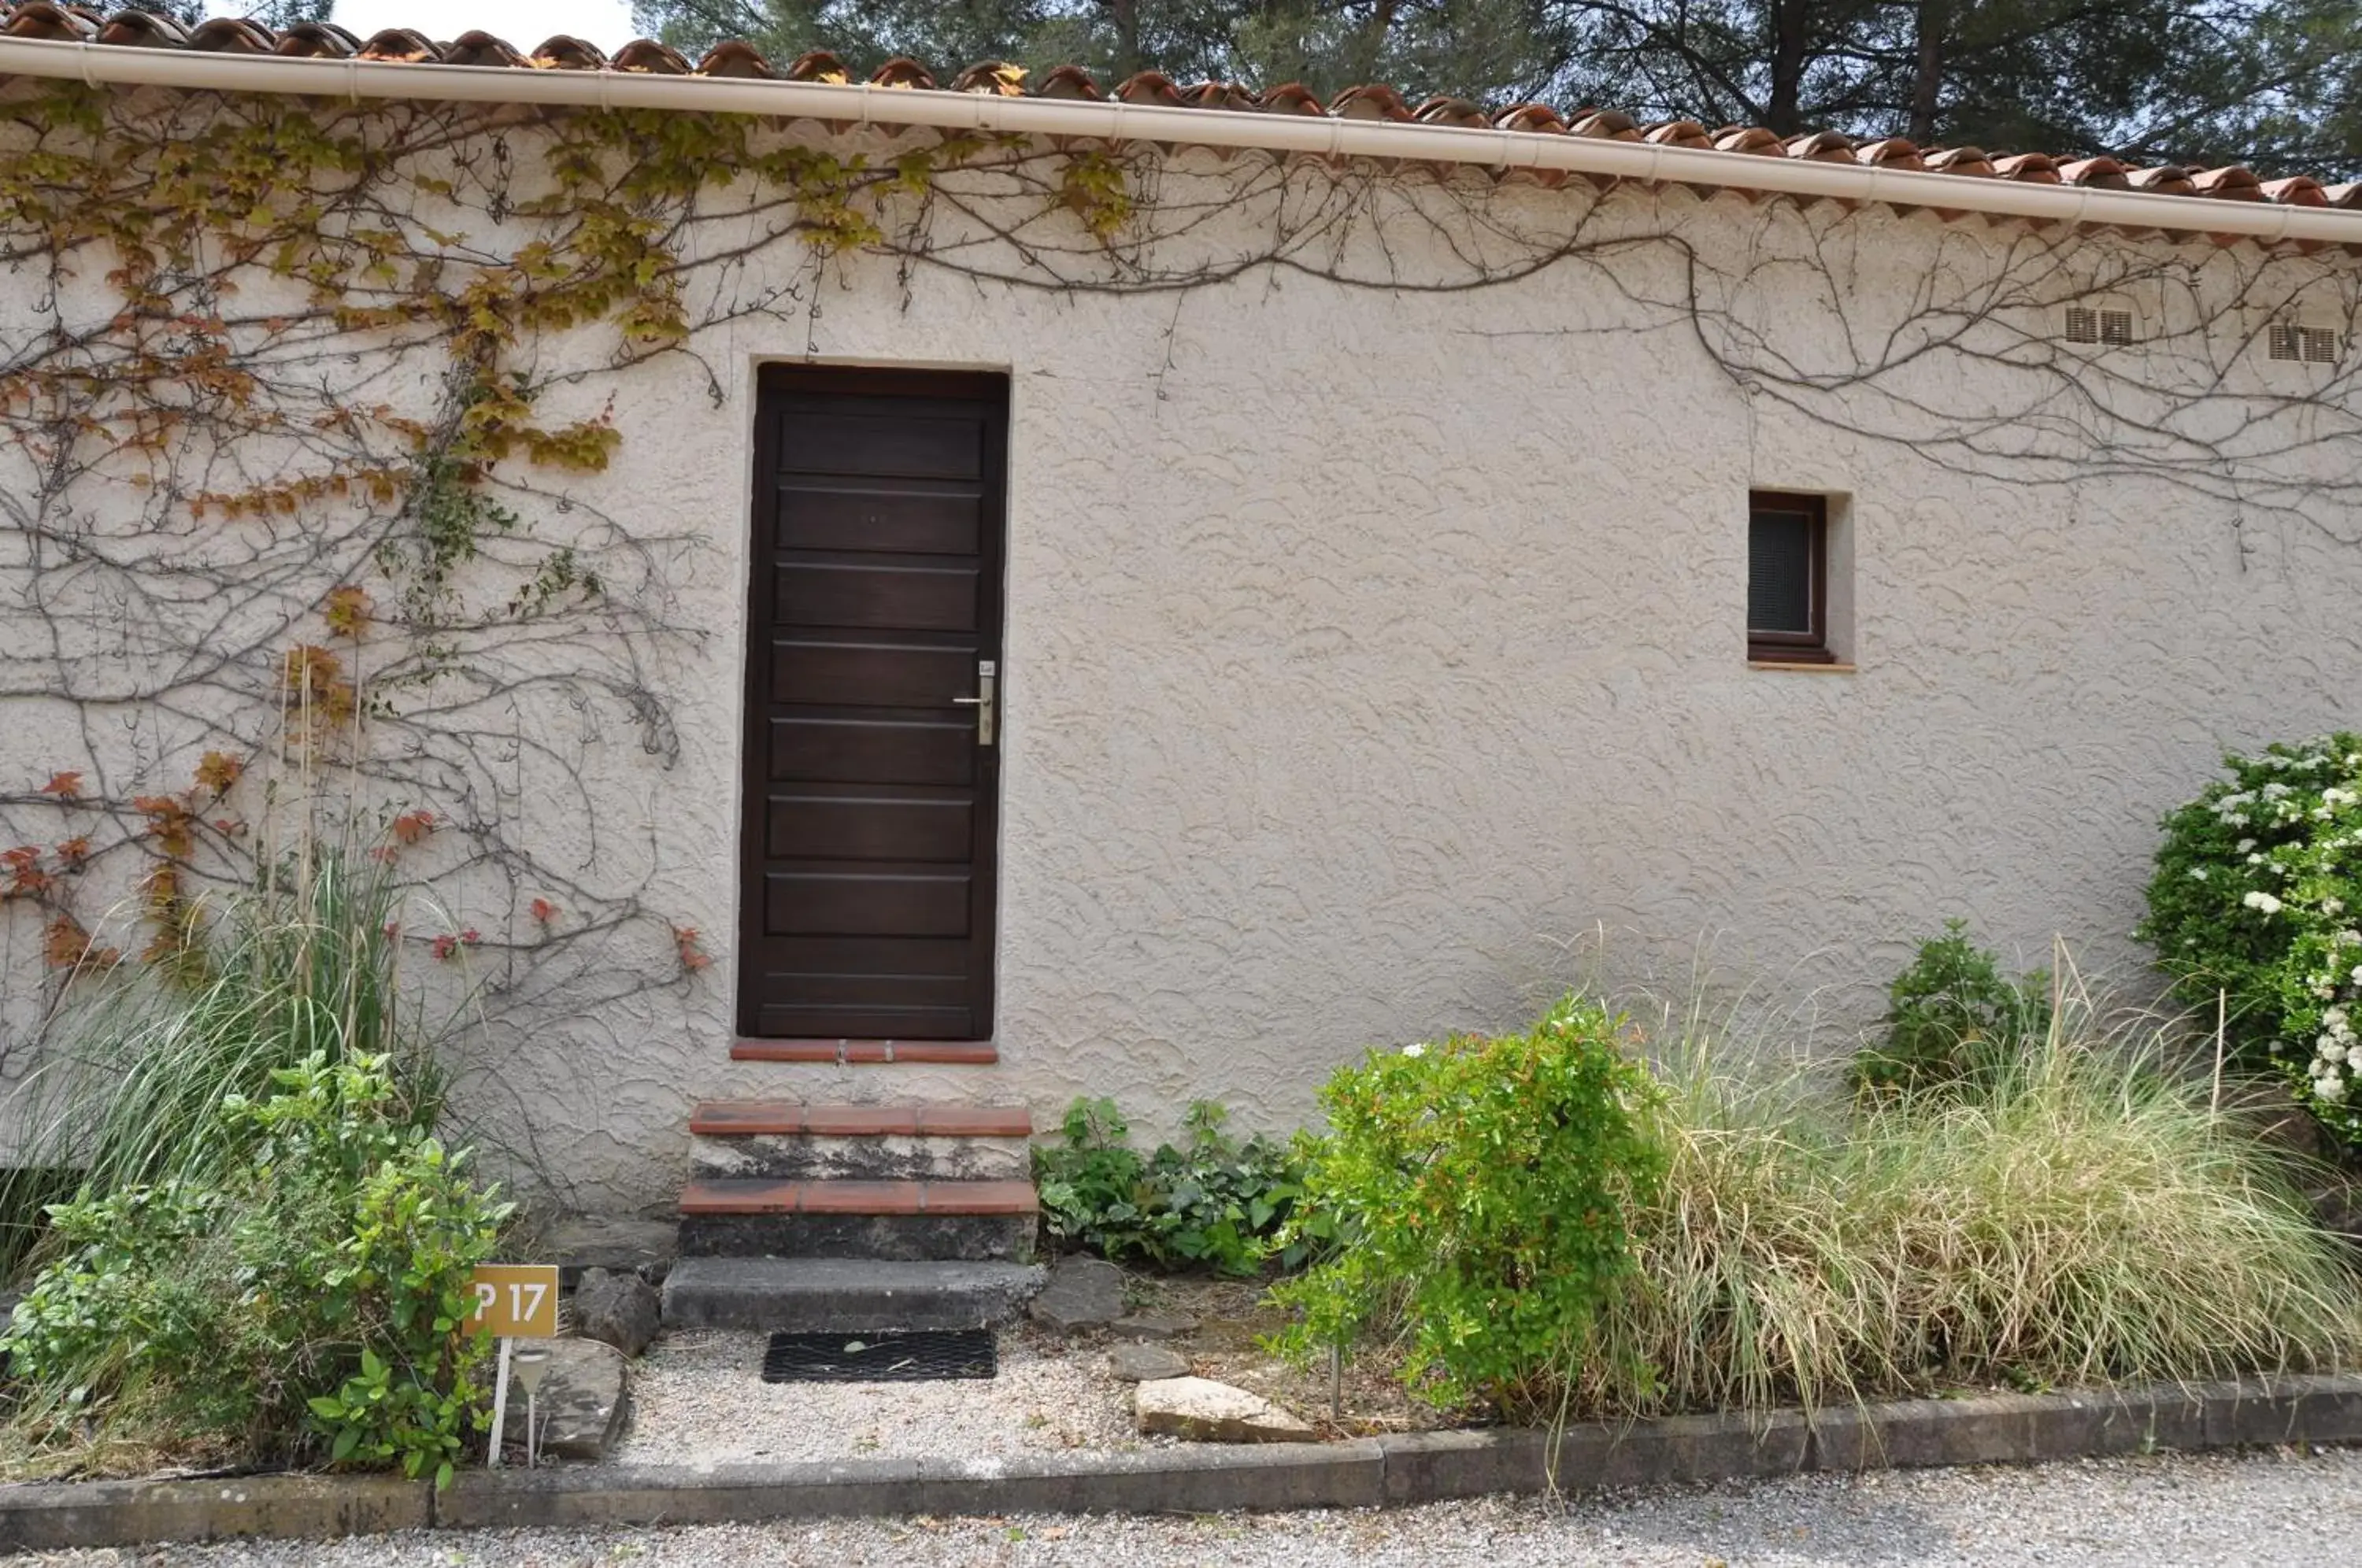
815, 516
834, 593
843, 827
868, 843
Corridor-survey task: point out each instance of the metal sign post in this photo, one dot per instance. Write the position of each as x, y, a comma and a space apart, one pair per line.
514, 1301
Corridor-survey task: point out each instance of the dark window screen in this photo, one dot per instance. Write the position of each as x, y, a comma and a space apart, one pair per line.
1779, 547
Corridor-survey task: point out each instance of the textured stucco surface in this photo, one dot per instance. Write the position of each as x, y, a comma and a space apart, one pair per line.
1371, 653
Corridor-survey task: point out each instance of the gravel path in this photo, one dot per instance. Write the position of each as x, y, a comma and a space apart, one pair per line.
698, 1399
2273, 1508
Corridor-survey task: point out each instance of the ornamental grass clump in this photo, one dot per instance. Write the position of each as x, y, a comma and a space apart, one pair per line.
1481, 1190
130, 1080
2083, 1214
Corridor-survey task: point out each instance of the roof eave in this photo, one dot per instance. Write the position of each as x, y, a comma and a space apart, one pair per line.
1321, 135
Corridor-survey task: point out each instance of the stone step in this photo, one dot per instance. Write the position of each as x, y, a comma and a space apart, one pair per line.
833, 1295
786, 1140
857, 1052
914, 1221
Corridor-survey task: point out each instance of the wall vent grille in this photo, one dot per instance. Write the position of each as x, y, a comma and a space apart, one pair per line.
2313, 345
2112, 329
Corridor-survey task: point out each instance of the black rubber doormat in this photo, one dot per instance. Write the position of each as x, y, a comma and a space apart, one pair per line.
892, 1355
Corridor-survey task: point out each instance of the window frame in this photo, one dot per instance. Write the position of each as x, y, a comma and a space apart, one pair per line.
1794, 647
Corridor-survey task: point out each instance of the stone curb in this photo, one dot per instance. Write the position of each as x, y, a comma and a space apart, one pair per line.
1417, 1467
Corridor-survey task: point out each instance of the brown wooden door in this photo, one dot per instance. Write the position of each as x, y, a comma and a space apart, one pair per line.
870, 823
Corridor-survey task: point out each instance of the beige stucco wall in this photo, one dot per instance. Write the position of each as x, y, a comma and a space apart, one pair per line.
1371, 651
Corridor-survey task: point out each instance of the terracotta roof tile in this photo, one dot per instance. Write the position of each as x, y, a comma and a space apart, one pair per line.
1680, 133
48, 21
2234, 183
1538, 118
737, 61
1971, 161
2034, 168
1290, 98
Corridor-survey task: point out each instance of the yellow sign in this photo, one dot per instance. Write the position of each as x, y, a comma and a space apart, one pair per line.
515, 1301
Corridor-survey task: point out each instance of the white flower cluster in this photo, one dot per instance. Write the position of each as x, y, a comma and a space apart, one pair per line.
2264, 902
2336, 1056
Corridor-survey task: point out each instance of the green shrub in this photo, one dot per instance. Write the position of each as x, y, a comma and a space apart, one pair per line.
304, 1305
1215, 1203
129, 1084
2079, 1216
1486, 1186
2257, 897
1953, 1017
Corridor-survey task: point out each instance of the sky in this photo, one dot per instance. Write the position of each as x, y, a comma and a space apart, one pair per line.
524, 23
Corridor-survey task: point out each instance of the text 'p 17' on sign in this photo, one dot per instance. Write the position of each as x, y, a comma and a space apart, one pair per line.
514, 1301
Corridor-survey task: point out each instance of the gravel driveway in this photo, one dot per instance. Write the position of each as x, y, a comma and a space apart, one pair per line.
2275, 1507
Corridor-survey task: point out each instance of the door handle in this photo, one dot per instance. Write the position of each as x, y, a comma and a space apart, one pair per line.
983, 702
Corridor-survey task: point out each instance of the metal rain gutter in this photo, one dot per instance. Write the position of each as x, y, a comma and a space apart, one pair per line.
1320, 136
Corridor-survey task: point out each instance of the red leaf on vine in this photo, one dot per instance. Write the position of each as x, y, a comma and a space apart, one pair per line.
64, 786
693, 956
22, 866
75, 850
170, 821
443, 947
412, 826
67, 946
544, 912
216, 771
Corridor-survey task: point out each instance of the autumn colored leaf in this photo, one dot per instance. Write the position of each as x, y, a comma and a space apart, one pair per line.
64, 786
67, 946
171, 821
216, 771
443, 947
22, 867
347, 611
693, 956
412, 826
544, 912
75, 850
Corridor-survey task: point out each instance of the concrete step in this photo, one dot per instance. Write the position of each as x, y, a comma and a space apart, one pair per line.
832, 1294
913, 1221
786, 1140
872, 1053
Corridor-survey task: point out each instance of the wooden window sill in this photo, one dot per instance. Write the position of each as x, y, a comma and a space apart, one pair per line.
1801, 666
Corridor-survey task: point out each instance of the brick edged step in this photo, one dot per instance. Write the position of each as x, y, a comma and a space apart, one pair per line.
833, 1295
844, 1052
786, 1140
915, 1221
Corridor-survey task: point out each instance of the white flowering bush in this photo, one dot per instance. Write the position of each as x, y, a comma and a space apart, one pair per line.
2259, 894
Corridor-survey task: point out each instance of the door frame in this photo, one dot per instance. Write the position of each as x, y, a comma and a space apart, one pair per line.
992, 387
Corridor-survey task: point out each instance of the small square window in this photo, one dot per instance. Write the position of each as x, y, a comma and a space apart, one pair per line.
1787, 578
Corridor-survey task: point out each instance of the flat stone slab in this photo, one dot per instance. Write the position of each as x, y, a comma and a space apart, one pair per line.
581, 1402
1153, 1325
844, 1294
1146, 1364
1203, 1410
1082, 1293
646, 1247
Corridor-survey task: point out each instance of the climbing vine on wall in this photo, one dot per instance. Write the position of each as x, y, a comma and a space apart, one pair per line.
296, 426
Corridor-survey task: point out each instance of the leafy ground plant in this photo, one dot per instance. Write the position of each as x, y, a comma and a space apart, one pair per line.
300, 1304
1485, 1188
1953, 1017
2257, 901
1215, 1202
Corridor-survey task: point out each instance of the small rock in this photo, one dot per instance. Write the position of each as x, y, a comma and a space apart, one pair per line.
1146, 1364
620, 1309
1207, 1411
1154, 1326
579, 1405
1081, 1292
